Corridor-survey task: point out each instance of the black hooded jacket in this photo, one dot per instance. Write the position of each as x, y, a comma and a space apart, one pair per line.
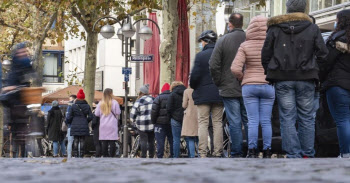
159, 113
335, 70
79, 116
292, 48
54, 124
174, 106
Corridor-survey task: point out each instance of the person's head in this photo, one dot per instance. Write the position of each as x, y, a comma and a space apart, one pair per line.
296, 6
235, 21
343, 23
55, 103
165, 87
207, 37
175, 84
21, 55
106, 103
81, 95
72, 98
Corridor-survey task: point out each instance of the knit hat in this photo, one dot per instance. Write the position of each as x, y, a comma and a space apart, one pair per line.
296, 6
81, 94
145, 89
55, 103
165, 87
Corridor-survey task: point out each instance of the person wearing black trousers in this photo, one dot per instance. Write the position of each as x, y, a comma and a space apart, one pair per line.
95, 127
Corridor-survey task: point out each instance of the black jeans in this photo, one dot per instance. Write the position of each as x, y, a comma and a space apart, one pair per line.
79, 140
98, 145
147, 143
161, 132
112, 148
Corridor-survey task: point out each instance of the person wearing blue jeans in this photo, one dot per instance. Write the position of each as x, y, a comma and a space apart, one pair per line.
176, 128
56, 145
296, 101
236, 115
191, 146
161, 132
259, 100
70, 143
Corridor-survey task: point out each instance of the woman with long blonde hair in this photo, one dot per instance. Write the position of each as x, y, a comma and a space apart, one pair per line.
108, 110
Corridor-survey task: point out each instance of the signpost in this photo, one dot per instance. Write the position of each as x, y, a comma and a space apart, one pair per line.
126, 71
142, 58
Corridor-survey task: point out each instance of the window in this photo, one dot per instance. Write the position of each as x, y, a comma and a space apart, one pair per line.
322, 4
53, 67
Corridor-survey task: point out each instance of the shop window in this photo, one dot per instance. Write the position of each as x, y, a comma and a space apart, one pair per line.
53, 67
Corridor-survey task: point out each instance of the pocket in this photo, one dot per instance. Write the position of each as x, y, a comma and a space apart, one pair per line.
273, 64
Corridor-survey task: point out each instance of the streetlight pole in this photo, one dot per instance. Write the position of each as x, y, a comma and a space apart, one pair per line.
125, 126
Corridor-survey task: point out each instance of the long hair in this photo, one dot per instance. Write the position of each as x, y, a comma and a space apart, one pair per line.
106, 103
343, 24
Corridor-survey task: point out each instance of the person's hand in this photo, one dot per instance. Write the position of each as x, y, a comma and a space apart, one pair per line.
9, 88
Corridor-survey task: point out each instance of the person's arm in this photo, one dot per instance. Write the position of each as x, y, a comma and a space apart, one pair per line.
98, 110
169, 106
134, 111
195, 74
117, 110
90, 115
48, 120
321, 50
185, 100
215, 63
155, 110
238, 64
69, 117
268, 49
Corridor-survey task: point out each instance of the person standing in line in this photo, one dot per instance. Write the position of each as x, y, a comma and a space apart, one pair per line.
96, 130
335, 72
258, 95
229, 87
190, 122
108, 110
141, 115
69, 136
176, 113
54, 124
290, 56
159, 116
79, 116
206, 96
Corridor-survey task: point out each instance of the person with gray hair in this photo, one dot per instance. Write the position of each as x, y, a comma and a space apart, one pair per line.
292, 50
54, 124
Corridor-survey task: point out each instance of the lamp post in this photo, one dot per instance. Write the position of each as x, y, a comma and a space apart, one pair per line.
126, 31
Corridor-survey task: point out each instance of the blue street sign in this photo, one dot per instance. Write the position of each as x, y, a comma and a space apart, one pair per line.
126, 70
142, 58
126, 78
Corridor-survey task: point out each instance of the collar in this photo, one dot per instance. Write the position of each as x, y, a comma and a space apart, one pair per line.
291, 17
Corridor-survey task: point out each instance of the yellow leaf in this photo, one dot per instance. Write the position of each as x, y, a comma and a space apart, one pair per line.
194, 13
191, 27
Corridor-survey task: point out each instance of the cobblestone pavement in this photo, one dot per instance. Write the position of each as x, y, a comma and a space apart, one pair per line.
106, 170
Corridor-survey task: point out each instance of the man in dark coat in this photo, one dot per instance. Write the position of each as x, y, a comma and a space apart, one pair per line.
289, 56
54, 124
206, 96
79, 116
229, 87
160, 118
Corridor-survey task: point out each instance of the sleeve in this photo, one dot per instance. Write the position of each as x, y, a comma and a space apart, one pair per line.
48, 119
69, 117
134, 111
321, 49
215, 63
195, 74
117, 110
169, 106
90, 115
185, 100
326, 65
238, 63
155, 110
268, 49
98, 110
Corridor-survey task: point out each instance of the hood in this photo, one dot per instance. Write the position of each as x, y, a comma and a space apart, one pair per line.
80, 102
166, 92
257, 28
210, 45
179, 89
291, 23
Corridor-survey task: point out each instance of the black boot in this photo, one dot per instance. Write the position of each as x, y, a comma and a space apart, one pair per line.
252, 153
267, 153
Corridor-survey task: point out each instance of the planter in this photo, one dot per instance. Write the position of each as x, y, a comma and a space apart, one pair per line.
32, 95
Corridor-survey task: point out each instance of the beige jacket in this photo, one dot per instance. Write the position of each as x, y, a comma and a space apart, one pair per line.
190, 122
247, 65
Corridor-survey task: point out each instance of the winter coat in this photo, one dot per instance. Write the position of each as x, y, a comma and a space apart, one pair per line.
247, 64
141, 114
108, 124
54, 124
336, 68
205, 91
70, 103
221, 60
190, 122
292, 48
159, 113
174, 106
79, 116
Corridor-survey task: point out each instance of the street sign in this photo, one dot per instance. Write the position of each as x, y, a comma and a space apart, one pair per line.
126, 70
142, 58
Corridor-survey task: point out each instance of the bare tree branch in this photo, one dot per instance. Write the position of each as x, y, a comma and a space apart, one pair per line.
80, 18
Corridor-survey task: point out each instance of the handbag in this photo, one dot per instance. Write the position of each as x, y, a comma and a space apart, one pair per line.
64, 127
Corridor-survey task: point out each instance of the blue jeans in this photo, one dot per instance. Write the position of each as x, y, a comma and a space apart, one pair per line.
176, 128
236, 116
55, 148
191, 146
258, 100
296, 102
161, 131
339, 105
70, 143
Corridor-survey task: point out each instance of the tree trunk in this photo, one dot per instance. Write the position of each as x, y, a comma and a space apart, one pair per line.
38, 64
1, 130
168, 47
90, 66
